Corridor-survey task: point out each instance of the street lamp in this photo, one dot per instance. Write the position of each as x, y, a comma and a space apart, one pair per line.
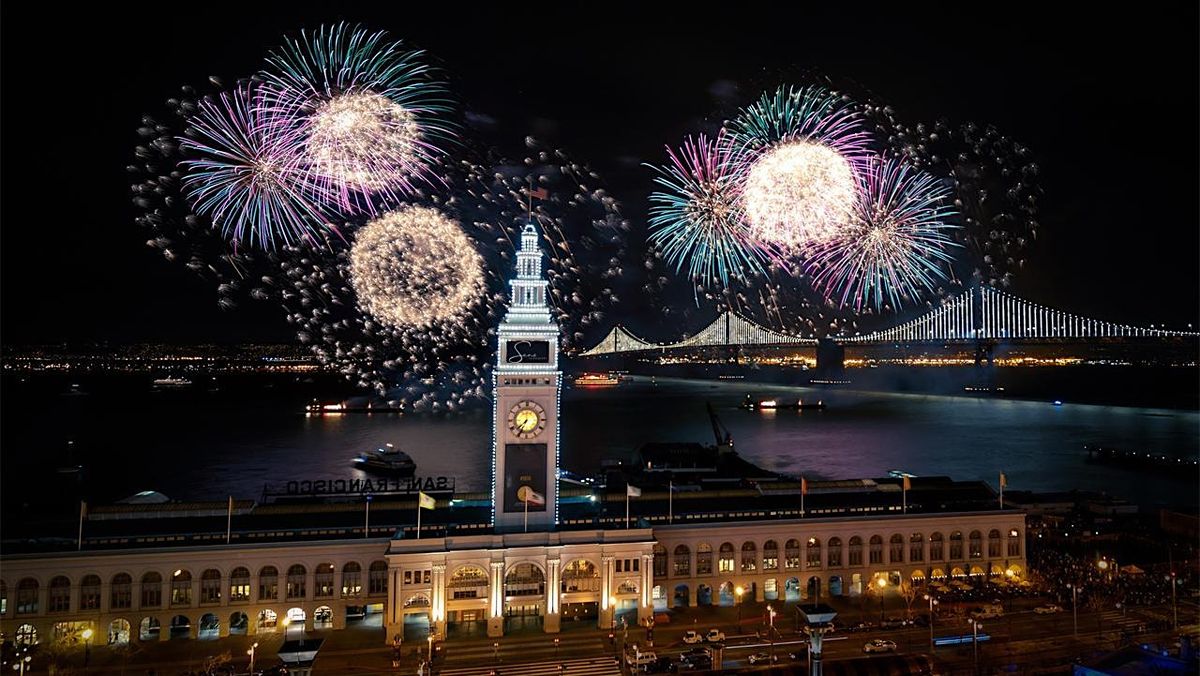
1074, 607
976, 625
556, 649
932, 602
429, 640
87, 646
250, 652
1174, 603
22, 664
880, 584
771, 630
496, 652
738, 591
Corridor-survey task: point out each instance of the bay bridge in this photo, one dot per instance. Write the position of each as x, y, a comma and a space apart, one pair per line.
981, 314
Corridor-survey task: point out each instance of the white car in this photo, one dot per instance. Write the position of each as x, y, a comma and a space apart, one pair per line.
879, 645
690, 636
714, 636
1048, 609
758, 658
640, 659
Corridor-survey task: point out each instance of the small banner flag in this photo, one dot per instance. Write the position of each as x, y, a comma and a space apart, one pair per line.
530, 497
907, 484
538, 193
1003, 481
632, 491
426, 501
803, 486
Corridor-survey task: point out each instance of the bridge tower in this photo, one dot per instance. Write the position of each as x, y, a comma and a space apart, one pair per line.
985, 346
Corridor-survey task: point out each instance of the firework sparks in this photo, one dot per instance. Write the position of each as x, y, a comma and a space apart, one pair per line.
697, 221
414, 267
370, 110
898, 244
245, 175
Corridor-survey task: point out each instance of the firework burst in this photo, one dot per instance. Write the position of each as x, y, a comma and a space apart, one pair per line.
798, 148
414, 267
246, 176
371, 112
698, 221
898, 244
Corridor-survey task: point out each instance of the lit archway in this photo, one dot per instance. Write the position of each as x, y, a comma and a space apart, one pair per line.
119, 632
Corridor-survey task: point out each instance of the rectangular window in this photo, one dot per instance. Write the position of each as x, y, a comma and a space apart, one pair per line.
408, 577
636, 564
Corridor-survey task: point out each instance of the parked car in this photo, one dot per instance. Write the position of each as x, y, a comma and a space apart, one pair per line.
691, 636
640, 659
895, 623
1048, 609
879, 645
695, 661
988, 611
861, 626
714, 636
760, 658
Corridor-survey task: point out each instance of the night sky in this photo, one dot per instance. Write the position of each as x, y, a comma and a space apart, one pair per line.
1107, 101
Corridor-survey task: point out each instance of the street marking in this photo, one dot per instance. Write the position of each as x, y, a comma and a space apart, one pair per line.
593, 666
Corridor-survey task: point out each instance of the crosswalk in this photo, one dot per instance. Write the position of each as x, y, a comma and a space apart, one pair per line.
584, 666
1130, 622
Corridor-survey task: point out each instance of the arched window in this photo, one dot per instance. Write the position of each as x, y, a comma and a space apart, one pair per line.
27, 596
210, 586
936, 551
152, 592
876, 549
856, 551
916, 547
994, 544
239, 584
351, 579
682, 565
976, 544
791, 554
749, 557
660, 561
704, 559
60, 595
956, 549
377, 576
1014, 542
323, 581
725, 558
468, 582
896, 549
297, 578
770, 555
525, 579
181, 588
89, 592
581, 575
121, 592
835, 552
268, 583
813, 553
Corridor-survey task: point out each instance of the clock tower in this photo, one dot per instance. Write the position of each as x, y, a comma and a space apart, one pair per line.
526, 385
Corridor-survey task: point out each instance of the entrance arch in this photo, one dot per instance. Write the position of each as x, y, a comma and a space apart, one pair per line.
118, 632
726, 595
268, 620
681, 597
149, 629
704, 595
239, 623
210, 627
181, 627
791, 589
812, 588
323, 618
524, 595
835, 586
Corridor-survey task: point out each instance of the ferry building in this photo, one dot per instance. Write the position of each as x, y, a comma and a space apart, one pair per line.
535, 551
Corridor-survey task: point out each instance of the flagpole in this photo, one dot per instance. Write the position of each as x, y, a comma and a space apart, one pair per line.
229, 520
803, 492
904, 501
671, 501
527, 512
418, 516
82, 511
367, 518
627, 507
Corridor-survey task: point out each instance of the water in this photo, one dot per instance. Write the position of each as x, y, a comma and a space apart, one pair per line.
204, 445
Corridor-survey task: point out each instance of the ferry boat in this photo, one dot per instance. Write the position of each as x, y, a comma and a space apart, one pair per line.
172, 382
752, 404
386, 459
597, 380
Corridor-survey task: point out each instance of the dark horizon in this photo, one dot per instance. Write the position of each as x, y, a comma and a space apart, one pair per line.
1104, 101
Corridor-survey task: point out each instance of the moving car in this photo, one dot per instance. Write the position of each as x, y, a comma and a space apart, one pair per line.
1048, 609
987, 612
879, 645
759, 658
691, 636
640, 659
894, 623
714, 636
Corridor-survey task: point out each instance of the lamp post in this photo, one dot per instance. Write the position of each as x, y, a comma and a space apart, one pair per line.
738, 591
932, 602
250, 652
22, 664
1074, 608
1174, 603
496, 652
771, 630
612, 603
880, 585
87, 646
556, 649
976, 625
429, 640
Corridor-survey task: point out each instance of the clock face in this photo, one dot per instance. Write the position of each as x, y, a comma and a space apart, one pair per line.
526, 419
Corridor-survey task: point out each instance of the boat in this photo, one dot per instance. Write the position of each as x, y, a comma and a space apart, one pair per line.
597, 380
172, 382
752, 404
386, 459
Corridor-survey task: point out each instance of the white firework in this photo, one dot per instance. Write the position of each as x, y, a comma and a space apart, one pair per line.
414, 268
365, 140
799, 193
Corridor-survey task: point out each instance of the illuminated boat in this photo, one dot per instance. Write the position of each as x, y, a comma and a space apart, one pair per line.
388, 460
752, 404
597, 380
172, 382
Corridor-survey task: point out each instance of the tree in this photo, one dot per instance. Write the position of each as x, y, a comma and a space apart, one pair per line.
214, 662
908, 592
